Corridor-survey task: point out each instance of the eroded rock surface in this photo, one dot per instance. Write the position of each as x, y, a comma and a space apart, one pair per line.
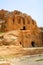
25, 30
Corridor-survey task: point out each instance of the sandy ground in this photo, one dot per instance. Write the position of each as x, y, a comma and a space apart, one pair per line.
15, 55
19, 51
24, 60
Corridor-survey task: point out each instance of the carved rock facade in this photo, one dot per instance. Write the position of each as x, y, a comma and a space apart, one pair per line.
29, 33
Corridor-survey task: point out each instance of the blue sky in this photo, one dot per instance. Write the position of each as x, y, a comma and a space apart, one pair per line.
31, 7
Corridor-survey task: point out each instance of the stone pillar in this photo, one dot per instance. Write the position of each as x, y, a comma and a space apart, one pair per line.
9, 23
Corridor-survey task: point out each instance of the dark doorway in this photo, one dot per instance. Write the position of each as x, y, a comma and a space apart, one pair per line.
20, 43
33, 44
24, 28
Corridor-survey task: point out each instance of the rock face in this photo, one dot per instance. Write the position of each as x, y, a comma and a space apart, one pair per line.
11, 38
41, 31
41, 28
21, 38
25, 30
16, 21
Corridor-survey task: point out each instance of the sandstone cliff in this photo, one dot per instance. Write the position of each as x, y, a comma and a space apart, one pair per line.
29, 33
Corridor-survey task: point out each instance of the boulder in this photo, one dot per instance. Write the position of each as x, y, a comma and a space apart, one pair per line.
11, 38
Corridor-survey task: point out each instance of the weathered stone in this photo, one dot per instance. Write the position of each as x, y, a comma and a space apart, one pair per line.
29, 33
16, 21
22, 38
11, 38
